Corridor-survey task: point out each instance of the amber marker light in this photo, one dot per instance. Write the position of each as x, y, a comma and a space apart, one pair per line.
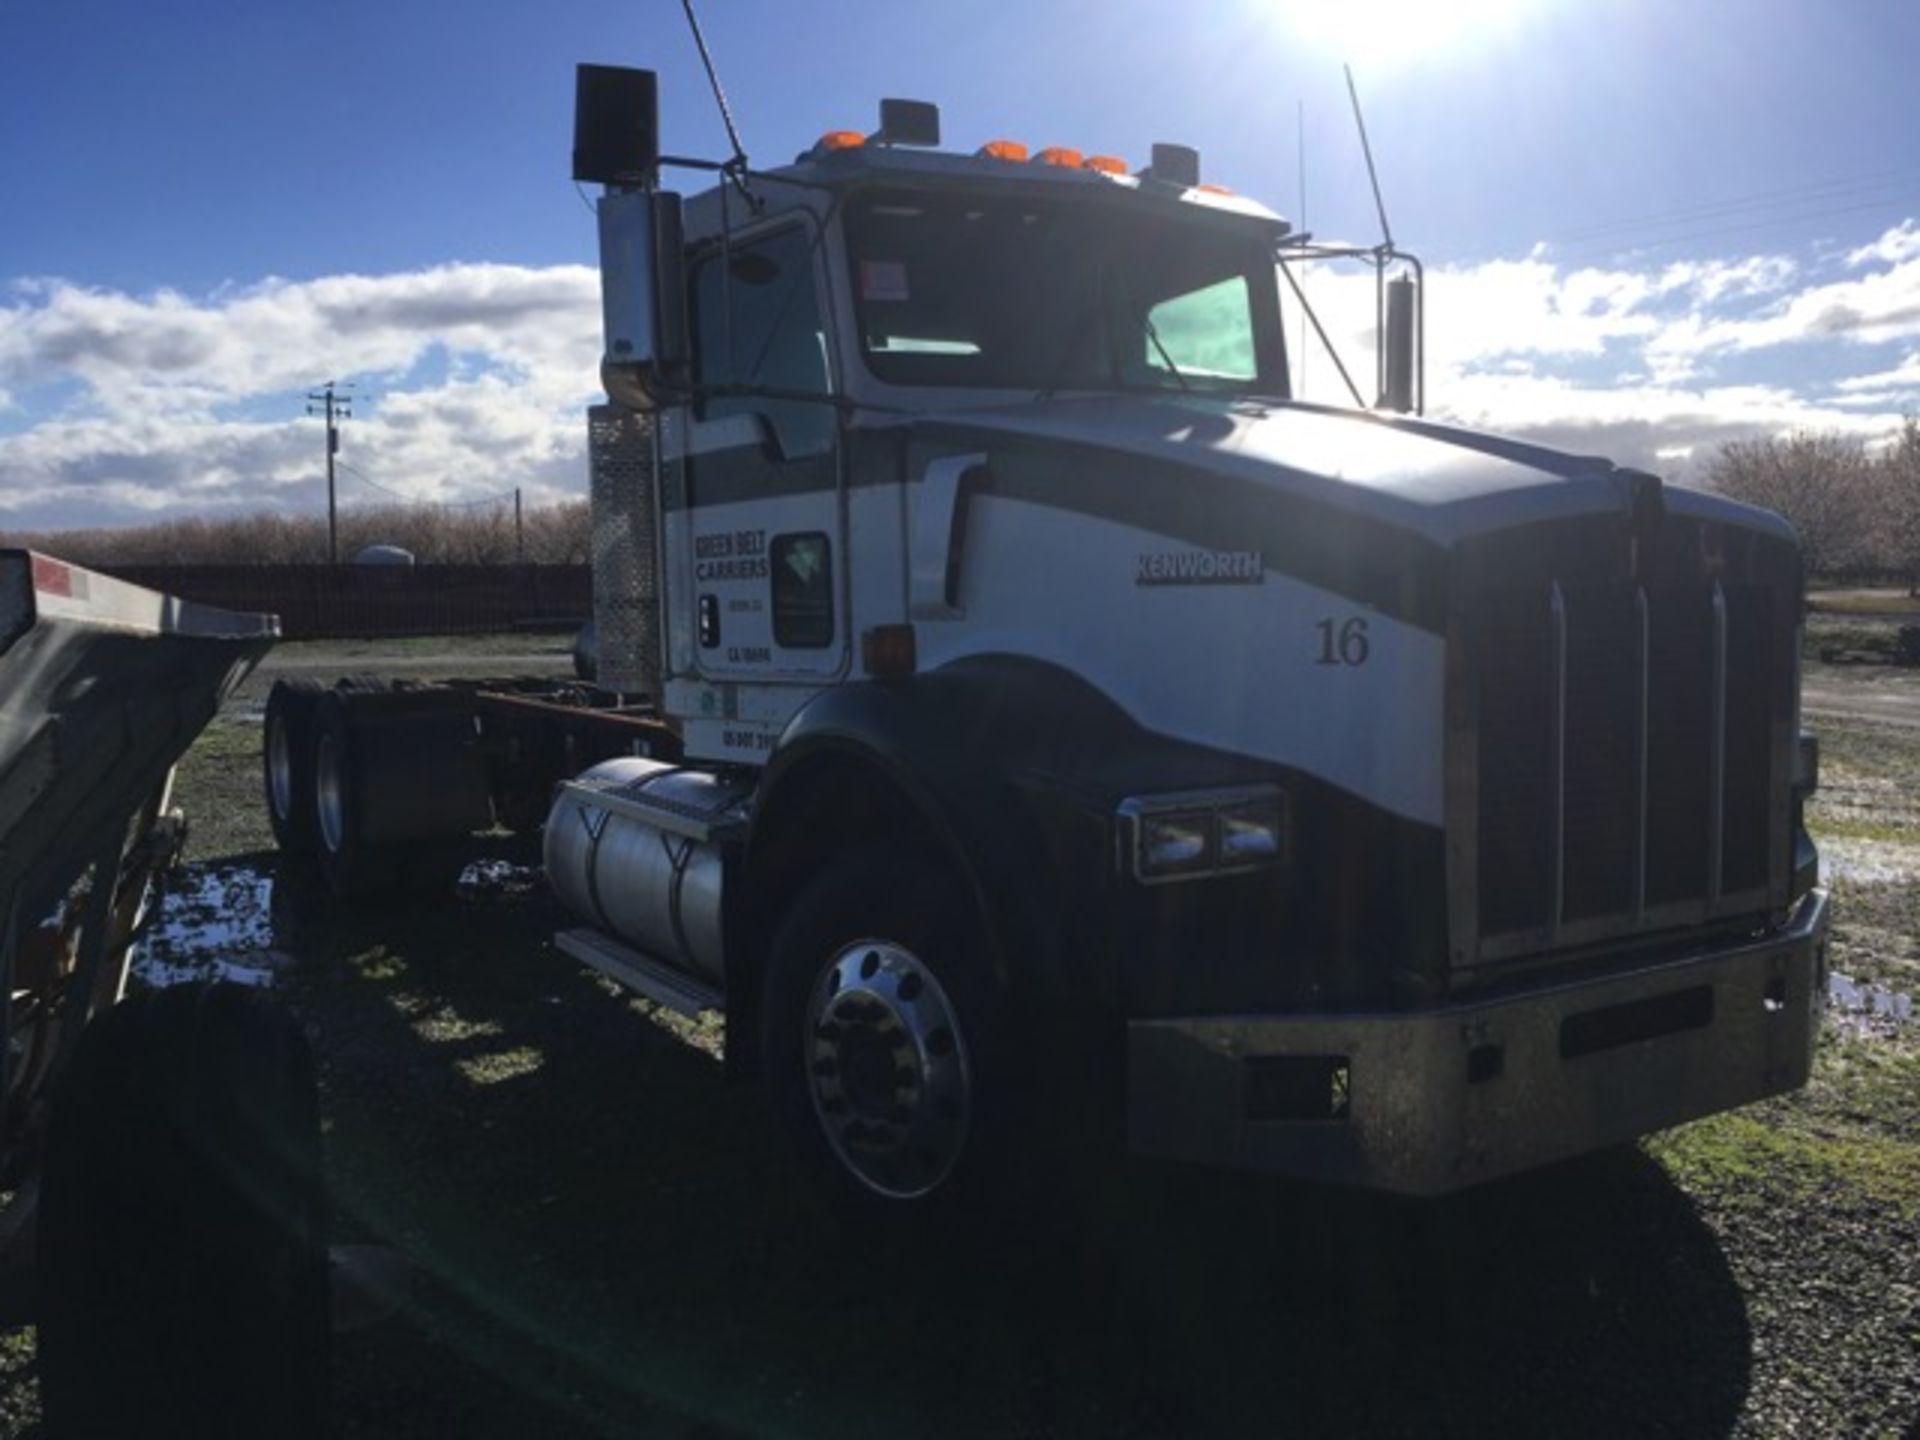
1060, 155
889, 650
839, 140
1106, 164
1002, 150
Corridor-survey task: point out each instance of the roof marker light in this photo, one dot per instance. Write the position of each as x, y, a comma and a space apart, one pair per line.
838, 140
1060, 155
1002, 150
1212, 189
1106, 164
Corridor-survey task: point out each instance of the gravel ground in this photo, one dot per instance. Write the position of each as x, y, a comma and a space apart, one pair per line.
582, 1232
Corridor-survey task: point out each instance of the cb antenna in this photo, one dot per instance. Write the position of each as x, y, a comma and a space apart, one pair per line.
739, 161
1373, 176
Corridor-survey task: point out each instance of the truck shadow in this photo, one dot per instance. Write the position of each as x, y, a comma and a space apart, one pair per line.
609, 1242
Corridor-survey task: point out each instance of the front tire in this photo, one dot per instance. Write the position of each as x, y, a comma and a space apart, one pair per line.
884, 1041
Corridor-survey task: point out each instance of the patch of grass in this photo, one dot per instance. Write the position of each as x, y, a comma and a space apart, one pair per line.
1845, 826
1851, 635
19, 1384
478, 647
378, 964
219, 786
1766, 1152
1893, 600
1867, 1081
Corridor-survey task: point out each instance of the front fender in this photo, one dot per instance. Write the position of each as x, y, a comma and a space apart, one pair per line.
981, 753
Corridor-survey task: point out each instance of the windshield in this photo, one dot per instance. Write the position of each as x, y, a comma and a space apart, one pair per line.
1034, 294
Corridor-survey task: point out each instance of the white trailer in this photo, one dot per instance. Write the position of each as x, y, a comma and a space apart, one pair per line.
1047, 713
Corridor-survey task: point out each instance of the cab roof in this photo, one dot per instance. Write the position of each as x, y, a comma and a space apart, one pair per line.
853, 165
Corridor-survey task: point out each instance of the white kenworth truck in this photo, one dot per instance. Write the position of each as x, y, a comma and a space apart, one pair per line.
1008, 692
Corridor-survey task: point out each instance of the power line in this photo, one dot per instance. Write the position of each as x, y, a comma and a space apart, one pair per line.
500, 498
1789, 195
1776, 223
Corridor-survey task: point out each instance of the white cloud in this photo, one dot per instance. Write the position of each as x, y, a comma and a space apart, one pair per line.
162, 377
1902, 242
1528, 348
1871, 309
165, 402
137, 352
1714, 280
1654, 426
1904, 376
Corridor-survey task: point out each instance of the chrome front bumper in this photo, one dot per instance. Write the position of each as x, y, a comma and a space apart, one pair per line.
1435, 1100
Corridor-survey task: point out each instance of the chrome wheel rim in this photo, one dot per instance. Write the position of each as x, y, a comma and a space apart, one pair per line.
329, 802
279, 770
887, 1069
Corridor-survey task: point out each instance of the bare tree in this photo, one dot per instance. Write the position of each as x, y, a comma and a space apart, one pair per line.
1900, 503
555, 535
1823, 482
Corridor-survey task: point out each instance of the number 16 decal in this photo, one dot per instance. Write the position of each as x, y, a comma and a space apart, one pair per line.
1343, 642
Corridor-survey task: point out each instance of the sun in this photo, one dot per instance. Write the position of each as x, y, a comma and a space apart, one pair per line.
1375, 35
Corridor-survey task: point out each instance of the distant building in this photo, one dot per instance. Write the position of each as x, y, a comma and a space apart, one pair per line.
383, 555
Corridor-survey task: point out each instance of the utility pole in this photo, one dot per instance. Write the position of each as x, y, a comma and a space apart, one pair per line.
519, 531
335, 407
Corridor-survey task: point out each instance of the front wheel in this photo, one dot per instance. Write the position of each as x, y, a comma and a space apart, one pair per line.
884, 1040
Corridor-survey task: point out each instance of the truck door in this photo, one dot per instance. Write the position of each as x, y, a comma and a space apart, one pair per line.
763, 473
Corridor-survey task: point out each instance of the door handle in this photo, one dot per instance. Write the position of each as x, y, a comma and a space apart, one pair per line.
939, 534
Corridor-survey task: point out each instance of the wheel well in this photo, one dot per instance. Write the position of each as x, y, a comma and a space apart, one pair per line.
821, 808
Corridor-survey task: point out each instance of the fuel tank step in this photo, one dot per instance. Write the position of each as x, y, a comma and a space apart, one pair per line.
692, 804
641, 973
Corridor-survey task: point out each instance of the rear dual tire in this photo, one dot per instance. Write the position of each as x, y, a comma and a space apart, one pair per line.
293, 708
354, 867
316, 777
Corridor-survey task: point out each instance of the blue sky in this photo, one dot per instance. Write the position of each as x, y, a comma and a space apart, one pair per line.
1653, 226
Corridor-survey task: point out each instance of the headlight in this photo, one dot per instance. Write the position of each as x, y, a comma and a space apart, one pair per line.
1175, 842
1202, 832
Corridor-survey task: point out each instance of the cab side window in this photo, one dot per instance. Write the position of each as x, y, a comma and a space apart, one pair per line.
756, 323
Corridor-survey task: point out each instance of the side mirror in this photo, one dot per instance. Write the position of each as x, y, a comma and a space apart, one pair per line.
1397, 364
643, 297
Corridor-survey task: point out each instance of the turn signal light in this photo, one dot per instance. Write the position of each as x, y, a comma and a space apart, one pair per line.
839, 140
889, 650
1106, 164
1002, 150
1059, 155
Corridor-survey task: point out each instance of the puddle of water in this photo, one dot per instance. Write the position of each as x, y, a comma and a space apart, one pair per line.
497, 880
1868, 862
255, 968
215, 923
1867, 1008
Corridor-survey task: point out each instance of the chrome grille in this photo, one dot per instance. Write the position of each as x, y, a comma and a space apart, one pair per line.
1628, 769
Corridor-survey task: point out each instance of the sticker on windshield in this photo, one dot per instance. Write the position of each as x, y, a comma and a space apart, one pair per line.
883, 280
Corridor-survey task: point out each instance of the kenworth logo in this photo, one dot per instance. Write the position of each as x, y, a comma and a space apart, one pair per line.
1200, 567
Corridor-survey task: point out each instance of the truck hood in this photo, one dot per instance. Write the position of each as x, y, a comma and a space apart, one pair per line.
1438, 482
